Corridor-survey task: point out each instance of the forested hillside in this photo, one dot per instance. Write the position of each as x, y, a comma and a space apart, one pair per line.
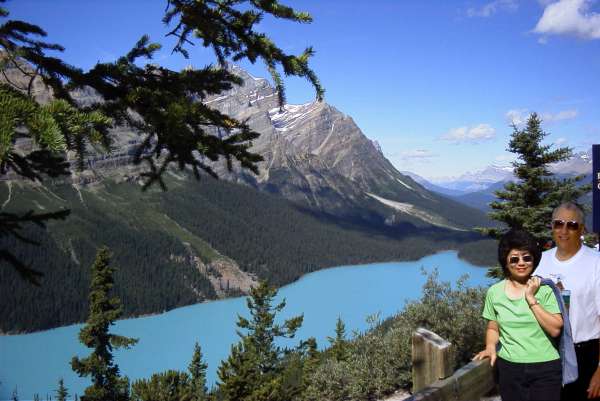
196, 241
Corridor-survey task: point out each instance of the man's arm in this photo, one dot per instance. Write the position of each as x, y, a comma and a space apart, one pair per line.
594, 387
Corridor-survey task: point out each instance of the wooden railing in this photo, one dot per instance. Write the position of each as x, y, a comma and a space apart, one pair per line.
433, 376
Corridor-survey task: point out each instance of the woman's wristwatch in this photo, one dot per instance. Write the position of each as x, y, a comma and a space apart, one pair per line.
531, 305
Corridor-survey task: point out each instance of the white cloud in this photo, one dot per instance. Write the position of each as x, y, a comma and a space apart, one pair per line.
569, 17
519, 117
561, 115
560, 141
491, 8
477, 133
417, 154
505, 158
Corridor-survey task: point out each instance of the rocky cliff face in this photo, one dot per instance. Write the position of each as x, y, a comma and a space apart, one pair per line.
317, 156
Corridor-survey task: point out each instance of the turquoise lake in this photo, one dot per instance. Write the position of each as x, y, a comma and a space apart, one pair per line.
33, 363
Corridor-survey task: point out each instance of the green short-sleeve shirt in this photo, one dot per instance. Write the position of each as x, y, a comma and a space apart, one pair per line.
522, 338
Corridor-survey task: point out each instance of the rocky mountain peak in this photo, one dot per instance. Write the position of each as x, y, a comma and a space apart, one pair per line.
317, 156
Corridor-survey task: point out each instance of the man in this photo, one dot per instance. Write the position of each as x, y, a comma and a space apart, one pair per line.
576, 268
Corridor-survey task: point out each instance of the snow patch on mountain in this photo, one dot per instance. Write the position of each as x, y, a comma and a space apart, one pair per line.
290, 115
259, 98
490, 174
216, 99
405, 184
414, 211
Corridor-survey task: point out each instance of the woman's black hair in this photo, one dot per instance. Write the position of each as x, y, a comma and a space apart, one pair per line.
521, 240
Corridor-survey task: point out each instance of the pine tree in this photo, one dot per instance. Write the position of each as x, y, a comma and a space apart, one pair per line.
311, 361
339, 343
313, 357
165, 386
61, 391
254, 368
163, 106
528, 202
197, 369
107, 384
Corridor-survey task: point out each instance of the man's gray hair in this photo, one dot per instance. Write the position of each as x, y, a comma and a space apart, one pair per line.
572, 207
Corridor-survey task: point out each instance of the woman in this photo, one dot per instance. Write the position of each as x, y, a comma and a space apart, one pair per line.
522, 318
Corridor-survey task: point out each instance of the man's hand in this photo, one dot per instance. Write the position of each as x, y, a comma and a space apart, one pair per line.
594, 387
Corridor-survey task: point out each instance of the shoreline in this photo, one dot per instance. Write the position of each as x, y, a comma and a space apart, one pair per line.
150, 314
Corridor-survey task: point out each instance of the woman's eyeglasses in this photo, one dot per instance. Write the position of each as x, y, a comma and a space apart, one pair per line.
515, 259
571, 225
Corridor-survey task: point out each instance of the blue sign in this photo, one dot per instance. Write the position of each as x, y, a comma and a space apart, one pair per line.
596, 186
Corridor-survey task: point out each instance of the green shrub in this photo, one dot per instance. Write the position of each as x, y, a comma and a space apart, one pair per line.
379, 361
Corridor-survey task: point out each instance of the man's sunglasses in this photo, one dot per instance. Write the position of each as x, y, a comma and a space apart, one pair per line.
571, 225
513, 260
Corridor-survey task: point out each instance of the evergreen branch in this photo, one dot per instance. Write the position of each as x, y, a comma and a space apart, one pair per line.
280, 90
27, 273
11, 224
143, 48
20, 29
38, 163
122, 341
230, 32
280, 11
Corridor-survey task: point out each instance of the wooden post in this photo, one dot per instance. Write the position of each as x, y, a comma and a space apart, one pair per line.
432, 358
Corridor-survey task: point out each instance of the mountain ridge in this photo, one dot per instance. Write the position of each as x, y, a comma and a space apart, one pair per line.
324, 196
317, 156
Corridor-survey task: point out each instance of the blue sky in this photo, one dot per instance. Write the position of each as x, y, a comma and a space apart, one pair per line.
435, 82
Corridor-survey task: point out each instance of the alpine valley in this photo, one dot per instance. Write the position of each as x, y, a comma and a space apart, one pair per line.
325, 196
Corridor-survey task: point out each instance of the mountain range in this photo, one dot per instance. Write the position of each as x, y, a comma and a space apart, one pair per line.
325, 195
318, 157
476, 189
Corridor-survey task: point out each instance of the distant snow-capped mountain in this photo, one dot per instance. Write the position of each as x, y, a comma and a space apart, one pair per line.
477, 189
482, 180
432, 187
477, 180
580, 163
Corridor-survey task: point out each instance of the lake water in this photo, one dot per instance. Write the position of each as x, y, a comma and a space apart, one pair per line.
33, 363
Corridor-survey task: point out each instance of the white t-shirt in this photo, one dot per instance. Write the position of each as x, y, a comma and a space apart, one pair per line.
580, 275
